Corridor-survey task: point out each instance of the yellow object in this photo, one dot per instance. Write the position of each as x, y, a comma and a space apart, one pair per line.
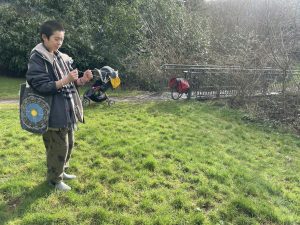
34, 113
115, 82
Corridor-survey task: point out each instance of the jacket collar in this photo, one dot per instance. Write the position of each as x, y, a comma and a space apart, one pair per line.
40, 48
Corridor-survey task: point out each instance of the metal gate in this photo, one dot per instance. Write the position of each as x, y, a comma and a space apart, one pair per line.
211, 81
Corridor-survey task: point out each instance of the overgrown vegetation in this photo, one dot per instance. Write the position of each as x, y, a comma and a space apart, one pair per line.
155, 163
133, 36
138, 36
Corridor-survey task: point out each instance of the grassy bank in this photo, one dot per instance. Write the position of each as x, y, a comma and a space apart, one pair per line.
9, 87
154, 163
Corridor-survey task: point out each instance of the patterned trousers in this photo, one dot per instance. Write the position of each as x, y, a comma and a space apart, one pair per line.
59, 144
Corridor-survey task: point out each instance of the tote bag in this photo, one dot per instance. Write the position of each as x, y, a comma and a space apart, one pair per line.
34, 110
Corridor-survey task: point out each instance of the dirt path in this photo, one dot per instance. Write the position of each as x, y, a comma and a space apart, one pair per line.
147, 96
9, 101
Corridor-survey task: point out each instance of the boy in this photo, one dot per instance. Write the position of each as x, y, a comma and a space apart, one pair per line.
50, 74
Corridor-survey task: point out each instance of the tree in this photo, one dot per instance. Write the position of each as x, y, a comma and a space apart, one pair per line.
171, 34
97, 32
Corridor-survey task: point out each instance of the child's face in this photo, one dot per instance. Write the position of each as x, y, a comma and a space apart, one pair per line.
55, 41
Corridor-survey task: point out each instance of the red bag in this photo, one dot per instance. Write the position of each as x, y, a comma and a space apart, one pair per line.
181, 85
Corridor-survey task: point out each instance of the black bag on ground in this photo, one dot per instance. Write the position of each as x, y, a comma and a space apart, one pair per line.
34, 110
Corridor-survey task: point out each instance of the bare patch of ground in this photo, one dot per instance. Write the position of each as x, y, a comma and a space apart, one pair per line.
8, 101
146, 96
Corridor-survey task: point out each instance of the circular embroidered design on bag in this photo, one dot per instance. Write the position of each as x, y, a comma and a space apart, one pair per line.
35, 112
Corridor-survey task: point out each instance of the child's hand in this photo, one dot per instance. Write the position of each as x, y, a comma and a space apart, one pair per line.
88, 75
73, 75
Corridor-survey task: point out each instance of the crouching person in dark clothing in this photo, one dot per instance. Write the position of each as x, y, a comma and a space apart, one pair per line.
50, 74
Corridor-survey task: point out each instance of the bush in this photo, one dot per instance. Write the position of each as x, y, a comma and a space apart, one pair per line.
133, 36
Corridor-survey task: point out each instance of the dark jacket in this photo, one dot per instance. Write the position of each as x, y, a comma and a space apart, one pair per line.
41, 77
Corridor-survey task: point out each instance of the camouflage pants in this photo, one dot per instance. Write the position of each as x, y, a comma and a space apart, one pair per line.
59, 144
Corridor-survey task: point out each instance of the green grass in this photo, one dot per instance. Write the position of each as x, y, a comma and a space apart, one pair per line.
9, 87
173, 162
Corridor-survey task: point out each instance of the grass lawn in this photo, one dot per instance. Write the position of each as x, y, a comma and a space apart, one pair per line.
154, 163
9, 89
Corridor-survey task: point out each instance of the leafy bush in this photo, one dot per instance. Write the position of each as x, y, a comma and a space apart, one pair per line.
134, 36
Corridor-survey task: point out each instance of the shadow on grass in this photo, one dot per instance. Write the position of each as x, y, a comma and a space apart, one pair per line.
17, 207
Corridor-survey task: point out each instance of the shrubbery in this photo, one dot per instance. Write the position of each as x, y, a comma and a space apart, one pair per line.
138, 36
134, 36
